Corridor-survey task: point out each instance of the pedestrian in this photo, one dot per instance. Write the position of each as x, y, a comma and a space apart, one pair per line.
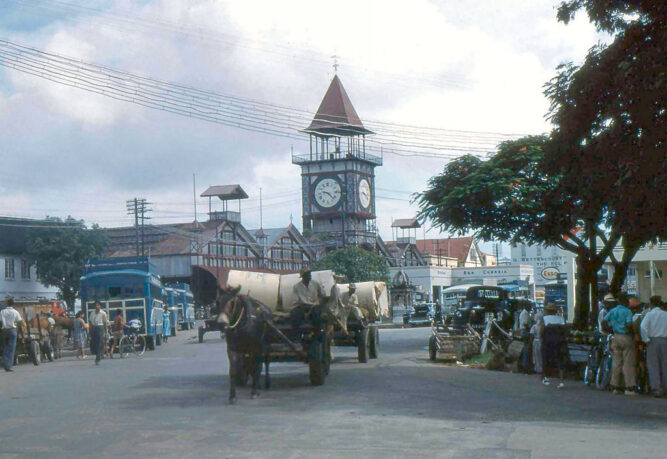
99, 322
166, 324
80, 333
117, 330
537, 343
619, 319
554, 345
654, 333
524, 325
9, 317
608, 303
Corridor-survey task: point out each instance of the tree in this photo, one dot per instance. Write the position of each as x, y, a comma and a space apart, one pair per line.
59, 252
609, 117
356, 264
512, 197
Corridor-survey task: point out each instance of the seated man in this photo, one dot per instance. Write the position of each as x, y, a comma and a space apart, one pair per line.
349, 303
307, 299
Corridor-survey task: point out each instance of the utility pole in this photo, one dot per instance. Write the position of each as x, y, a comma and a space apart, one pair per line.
138, 207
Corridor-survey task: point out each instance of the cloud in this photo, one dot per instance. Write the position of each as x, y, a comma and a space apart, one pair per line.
455, 65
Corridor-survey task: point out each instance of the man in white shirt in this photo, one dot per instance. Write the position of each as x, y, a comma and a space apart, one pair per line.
10, 318
654, 332
98, 323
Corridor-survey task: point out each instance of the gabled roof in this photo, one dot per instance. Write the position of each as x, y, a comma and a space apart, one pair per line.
225, 192
455, 247
406, 223
336, 114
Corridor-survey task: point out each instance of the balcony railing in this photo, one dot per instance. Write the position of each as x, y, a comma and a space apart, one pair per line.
226, 215
336, 156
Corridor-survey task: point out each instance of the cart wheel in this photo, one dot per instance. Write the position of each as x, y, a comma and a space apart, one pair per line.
432, 348
317, 364
200, 334
363, 345
375, 343
35, 353
48, 352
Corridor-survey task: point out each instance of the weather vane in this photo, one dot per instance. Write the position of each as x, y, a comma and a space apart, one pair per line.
335, 63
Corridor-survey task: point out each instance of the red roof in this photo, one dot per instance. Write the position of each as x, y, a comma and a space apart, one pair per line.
336, 114
455, 247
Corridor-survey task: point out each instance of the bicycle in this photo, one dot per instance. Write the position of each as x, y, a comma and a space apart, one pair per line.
133, 342
593, 360
603, 374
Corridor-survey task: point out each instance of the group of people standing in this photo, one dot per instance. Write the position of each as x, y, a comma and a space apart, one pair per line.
634, 327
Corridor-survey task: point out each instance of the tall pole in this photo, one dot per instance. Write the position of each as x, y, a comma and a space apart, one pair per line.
136, 224
194, 196
260, 209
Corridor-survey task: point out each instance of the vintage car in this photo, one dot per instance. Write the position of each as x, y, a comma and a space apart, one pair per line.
482, 302
419, 314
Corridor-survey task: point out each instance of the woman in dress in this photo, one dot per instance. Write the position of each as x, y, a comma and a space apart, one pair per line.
554, 345
80, 332
166, 324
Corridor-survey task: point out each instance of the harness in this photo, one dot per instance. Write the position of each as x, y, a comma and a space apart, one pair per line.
238, 320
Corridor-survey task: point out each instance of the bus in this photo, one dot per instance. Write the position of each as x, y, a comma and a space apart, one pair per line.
453, 297
130, 285
184, 301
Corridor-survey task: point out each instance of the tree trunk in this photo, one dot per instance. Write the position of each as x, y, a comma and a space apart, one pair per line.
586, 274
69, 296
630, 249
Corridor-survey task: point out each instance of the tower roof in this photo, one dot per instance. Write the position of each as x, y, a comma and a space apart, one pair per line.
336, 115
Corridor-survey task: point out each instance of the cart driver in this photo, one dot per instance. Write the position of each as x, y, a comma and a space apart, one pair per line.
307, 296
350, 303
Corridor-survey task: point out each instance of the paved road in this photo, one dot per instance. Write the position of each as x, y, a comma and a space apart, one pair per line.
172, 402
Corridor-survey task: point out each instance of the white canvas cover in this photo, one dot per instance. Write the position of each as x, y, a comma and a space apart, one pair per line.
288, 281
368, 298
260, 286
382, 298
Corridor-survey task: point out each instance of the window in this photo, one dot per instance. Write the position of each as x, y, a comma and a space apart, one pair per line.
9, 268
114, 292
25, 270
539, 250
523, 250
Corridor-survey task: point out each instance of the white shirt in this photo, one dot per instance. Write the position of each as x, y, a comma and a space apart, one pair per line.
524, 320
9, 317
309, 294
654, 325
51, 320
98, 318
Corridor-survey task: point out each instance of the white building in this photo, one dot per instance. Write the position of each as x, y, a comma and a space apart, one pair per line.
547, 262
430, 281
18, 278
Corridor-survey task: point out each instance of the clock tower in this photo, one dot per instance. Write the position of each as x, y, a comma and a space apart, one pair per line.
338, 175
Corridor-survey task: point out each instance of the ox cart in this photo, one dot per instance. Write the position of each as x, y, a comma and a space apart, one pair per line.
356, 327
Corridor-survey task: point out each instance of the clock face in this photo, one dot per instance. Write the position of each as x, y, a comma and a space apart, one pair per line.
327, 192
364, 193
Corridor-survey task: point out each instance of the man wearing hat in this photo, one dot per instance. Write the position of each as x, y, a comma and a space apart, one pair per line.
608, 303
623, 347
307, 295
350, 303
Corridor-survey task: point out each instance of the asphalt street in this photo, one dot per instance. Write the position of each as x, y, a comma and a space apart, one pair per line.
172, 402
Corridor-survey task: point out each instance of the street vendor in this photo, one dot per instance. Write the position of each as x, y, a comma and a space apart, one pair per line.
307, 298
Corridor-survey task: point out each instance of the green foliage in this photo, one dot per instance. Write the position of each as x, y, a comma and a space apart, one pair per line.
356, 264
60, 251
508, 197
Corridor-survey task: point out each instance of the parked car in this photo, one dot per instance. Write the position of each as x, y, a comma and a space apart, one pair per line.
419, 314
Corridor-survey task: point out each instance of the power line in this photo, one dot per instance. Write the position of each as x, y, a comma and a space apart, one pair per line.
222, 109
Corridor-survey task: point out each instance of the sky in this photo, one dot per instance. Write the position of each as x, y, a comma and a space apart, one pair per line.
463, 65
